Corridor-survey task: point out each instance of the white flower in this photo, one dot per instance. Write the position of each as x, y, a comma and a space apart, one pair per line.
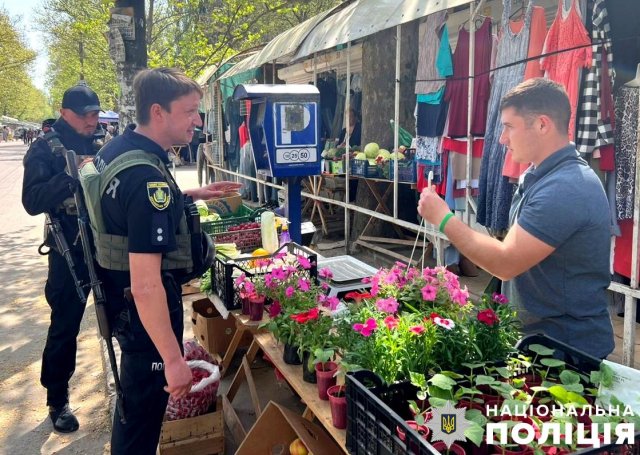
444, 323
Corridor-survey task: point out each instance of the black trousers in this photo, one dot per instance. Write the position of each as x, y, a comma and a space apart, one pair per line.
59, 355
143, 381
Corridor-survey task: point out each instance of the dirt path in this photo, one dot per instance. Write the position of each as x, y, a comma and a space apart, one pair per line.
24, 315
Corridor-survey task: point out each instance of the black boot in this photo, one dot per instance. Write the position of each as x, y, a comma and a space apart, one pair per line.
63, 419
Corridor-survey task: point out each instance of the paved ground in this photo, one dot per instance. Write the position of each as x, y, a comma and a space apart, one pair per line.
24, 315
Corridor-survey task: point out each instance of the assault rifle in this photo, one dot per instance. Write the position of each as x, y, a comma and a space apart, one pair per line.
96, 286
54, 227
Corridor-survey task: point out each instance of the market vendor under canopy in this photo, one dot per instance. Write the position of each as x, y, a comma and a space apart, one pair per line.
554, 260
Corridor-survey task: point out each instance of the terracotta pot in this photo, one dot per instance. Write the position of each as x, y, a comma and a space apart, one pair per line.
325, 376
256, 308
290, 355
454, 449
338, 401
308, 371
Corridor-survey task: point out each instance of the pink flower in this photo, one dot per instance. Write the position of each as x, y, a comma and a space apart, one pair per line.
429, 293
332, 303
391, 322
275, 309
367, 328
460, 296
289, 291
444, 323
389, 305
303, 284
304, 262
499, 298
374, 288
325, 286
240, 280
325, 273
278, 274
280, 255
417, 329
249, 287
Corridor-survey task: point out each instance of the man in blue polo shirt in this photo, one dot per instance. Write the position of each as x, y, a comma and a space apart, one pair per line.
555, 258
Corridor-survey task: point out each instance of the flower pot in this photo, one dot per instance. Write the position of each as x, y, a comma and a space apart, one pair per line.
454, 449
325, 375
245, 305
290, 355
308, 371
256, 308
422, 430
338, 401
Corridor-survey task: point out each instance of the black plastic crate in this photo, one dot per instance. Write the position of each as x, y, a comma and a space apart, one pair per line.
225, 270
362, 168
407, 171
375, 410
374, 414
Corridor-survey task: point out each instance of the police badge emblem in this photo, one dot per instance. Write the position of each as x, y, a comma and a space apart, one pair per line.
159, 194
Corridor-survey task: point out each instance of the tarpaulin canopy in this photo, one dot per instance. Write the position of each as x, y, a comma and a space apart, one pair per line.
108, 116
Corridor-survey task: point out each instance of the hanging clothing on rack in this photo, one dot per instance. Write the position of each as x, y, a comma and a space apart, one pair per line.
457, 91
626, 140
596, 107
434, 62
495, 190
567, 32
537, 36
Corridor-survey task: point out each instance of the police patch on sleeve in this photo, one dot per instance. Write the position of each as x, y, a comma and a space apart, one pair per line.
159, 194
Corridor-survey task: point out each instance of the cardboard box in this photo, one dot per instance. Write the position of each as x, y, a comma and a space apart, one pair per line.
225, 205
213, 332
201, 435
279, 425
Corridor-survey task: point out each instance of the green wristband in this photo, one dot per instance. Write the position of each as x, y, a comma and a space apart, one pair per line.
444, 221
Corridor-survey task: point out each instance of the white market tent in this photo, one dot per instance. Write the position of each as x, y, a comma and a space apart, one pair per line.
359, 19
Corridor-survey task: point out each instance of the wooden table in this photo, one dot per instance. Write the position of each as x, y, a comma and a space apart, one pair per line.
315, 407
315, 184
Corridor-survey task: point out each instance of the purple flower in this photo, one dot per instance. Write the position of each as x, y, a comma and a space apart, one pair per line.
500, 298
332, 303
325, 273
389, 305
278, 274
289, 291
429, 293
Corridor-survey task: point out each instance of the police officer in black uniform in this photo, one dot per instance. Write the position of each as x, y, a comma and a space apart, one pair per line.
46, 187
143, 204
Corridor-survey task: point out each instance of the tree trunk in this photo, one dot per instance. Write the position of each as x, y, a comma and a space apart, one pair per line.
378, 98
129, 56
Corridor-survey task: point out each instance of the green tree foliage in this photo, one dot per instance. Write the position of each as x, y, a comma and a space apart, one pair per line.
189, 34
77, 47
18, 96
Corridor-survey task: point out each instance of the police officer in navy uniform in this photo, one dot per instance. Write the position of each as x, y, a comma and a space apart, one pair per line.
143, 204
46, 187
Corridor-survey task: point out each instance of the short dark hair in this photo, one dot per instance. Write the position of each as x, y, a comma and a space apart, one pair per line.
542, 97
160, 86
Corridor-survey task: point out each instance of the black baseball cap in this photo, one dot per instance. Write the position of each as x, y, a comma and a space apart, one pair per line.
48, 122
80, 99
